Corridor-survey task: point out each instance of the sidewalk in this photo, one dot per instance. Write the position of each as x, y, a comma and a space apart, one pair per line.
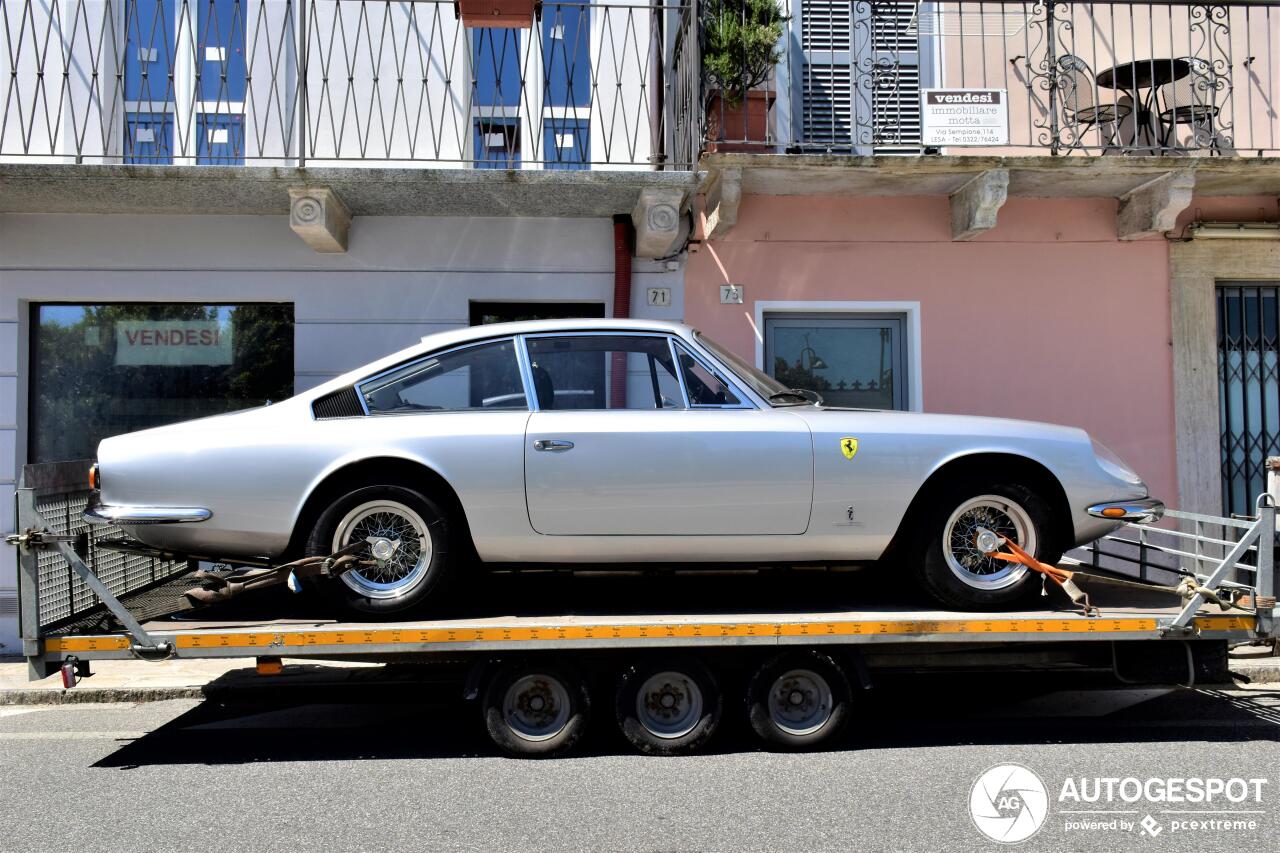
140, 681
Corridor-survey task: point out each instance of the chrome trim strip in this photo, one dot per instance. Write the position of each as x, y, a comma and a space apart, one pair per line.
145, 514
1138, 511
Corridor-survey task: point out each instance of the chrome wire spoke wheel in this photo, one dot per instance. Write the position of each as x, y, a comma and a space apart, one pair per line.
800, 702
967, 560
399, 546
536, 707
669, 704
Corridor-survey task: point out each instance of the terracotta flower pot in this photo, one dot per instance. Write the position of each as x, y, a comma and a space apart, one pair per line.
742, 127
513, 14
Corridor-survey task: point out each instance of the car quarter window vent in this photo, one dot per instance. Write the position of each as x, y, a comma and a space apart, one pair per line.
344, 403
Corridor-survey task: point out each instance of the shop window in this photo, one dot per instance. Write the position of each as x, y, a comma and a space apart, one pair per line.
483, 313
853, 360
102, 370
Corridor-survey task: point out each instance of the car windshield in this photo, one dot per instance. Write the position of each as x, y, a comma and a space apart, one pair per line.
759, 381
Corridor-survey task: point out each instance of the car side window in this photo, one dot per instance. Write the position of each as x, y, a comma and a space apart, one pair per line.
705, 388
485, 377
604, 372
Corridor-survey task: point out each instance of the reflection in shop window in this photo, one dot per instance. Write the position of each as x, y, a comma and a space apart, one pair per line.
855, 361
102, 370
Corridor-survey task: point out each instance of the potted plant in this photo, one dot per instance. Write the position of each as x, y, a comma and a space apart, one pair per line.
495, 13
739, 50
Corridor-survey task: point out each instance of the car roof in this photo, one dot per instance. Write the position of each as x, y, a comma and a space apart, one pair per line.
533, 327
458, 337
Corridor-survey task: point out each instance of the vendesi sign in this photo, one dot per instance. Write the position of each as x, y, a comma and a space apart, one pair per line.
173, 343
964, 116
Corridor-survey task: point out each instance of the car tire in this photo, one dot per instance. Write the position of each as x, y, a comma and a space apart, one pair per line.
413, 528
955, 573
798, 700
657, 728
535, 711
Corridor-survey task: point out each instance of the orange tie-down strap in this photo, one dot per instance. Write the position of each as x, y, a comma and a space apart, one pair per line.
1060, 576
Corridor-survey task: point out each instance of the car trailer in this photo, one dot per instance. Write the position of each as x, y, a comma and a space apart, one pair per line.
1167, 601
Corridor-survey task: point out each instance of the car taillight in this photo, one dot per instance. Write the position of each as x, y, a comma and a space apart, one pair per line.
94, 479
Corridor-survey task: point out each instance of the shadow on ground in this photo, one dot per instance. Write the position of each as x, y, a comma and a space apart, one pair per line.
406, 715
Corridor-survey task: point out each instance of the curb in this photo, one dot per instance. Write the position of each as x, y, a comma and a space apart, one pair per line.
85, 696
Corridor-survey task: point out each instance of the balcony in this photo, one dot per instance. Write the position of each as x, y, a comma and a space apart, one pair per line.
593, 101
1173, 79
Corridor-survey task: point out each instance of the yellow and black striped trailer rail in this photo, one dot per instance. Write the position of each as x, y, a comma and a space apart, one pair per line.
511, 634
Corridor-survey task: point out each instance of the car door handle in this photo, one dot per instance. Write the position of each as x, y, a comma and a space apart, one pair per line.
553, 445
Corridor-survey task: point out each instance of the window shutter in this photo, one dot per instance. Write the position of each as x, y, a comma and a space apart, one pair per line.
859, 87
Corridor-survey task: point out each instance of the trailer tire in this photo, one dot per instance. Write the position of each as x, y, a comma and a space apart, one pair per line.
403, 517
955, 574
798, 700
668, 707
536, 711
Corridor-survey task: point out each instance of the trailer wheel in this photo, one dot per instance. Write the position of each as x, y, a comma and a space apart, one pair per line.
669, 707
408, 536
798, 700
536, 711
956, 573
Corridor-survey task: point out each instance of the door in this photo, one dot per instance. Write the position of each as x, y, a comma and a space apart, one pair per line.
1248, 388
632, 440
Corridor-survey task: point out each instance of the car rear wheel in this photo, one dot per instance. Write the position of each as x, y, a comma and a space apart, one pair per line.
953, 568
408, 541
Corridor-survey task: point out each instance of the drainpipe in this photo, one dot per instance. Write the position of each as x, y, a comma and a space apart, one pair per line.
621, 306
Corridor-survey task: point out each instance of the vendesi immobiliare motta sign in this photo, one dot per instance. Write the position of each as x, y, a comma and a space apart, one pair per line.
964, 116
173, 342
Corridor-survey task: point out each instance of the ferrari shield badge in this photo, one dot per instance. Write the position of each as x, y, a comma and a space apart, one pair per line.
849, 447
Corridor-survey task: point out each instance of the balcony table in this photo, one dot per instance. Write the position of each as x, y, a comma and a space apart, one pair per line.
1131, 78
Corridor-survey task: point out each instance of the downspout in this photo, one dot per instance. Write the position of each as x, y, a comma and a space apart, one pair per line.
621, 306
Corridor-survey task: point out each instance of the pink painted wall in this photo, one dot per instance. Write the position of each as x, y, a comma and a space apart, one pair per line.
1046, 317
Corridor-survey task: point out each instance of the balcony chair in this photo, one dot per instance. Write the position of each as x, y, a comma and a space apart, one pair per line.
1081, 110
1193, 100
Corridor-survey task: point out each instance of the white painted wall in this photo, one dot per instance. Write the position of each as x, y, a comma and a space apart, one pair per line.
402, 278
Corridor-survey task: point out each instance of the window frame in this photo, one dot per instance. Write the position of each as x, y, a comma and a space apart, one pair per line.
673, 341
521, 367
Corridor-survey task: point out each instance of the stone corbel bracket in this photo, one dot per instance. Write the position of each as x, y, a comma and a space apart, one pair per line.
1152, 208
319, 217
724, 195
975, 206
661, 227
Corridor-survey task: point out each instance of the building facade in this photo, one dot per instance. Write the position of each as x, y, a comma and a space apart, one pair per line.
205, 204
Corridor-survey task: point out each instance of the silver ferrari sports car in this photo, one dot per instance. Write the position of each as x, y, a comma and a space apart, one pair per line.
606, 442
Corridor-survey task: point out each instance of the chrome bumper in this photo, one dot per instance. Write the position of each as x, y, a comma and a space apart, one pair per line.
1139, 511
128, 515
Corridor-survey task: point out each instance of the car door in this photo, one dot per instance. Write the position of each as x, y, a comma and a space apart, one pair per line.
634, 435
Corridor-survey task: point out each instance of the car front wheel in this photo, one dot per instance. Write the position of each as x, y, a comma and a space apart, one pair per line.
953, 568
408, 547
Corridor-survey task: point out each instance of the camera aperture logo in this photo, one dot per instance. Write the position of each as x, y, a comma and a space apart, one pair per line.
1008, 803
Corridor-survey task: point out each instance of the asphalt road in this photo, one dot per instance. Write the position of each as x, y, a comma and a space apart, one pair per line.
369, 768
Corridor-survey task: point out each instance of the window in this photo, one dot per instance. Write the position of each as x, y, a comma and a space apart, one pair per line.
705, 388
566, 57
1248, 388
168, 54
856, 361
483, 313
483, 376
102, 370
604, 372
496, 63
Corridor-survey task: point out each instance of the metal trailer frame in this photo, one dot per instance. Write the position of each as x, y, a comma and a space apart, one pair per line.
1251, 620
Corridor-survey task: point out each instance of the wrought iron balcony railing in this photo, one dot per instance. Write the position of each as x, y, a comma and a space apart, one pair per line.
1155, 78
313, 82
